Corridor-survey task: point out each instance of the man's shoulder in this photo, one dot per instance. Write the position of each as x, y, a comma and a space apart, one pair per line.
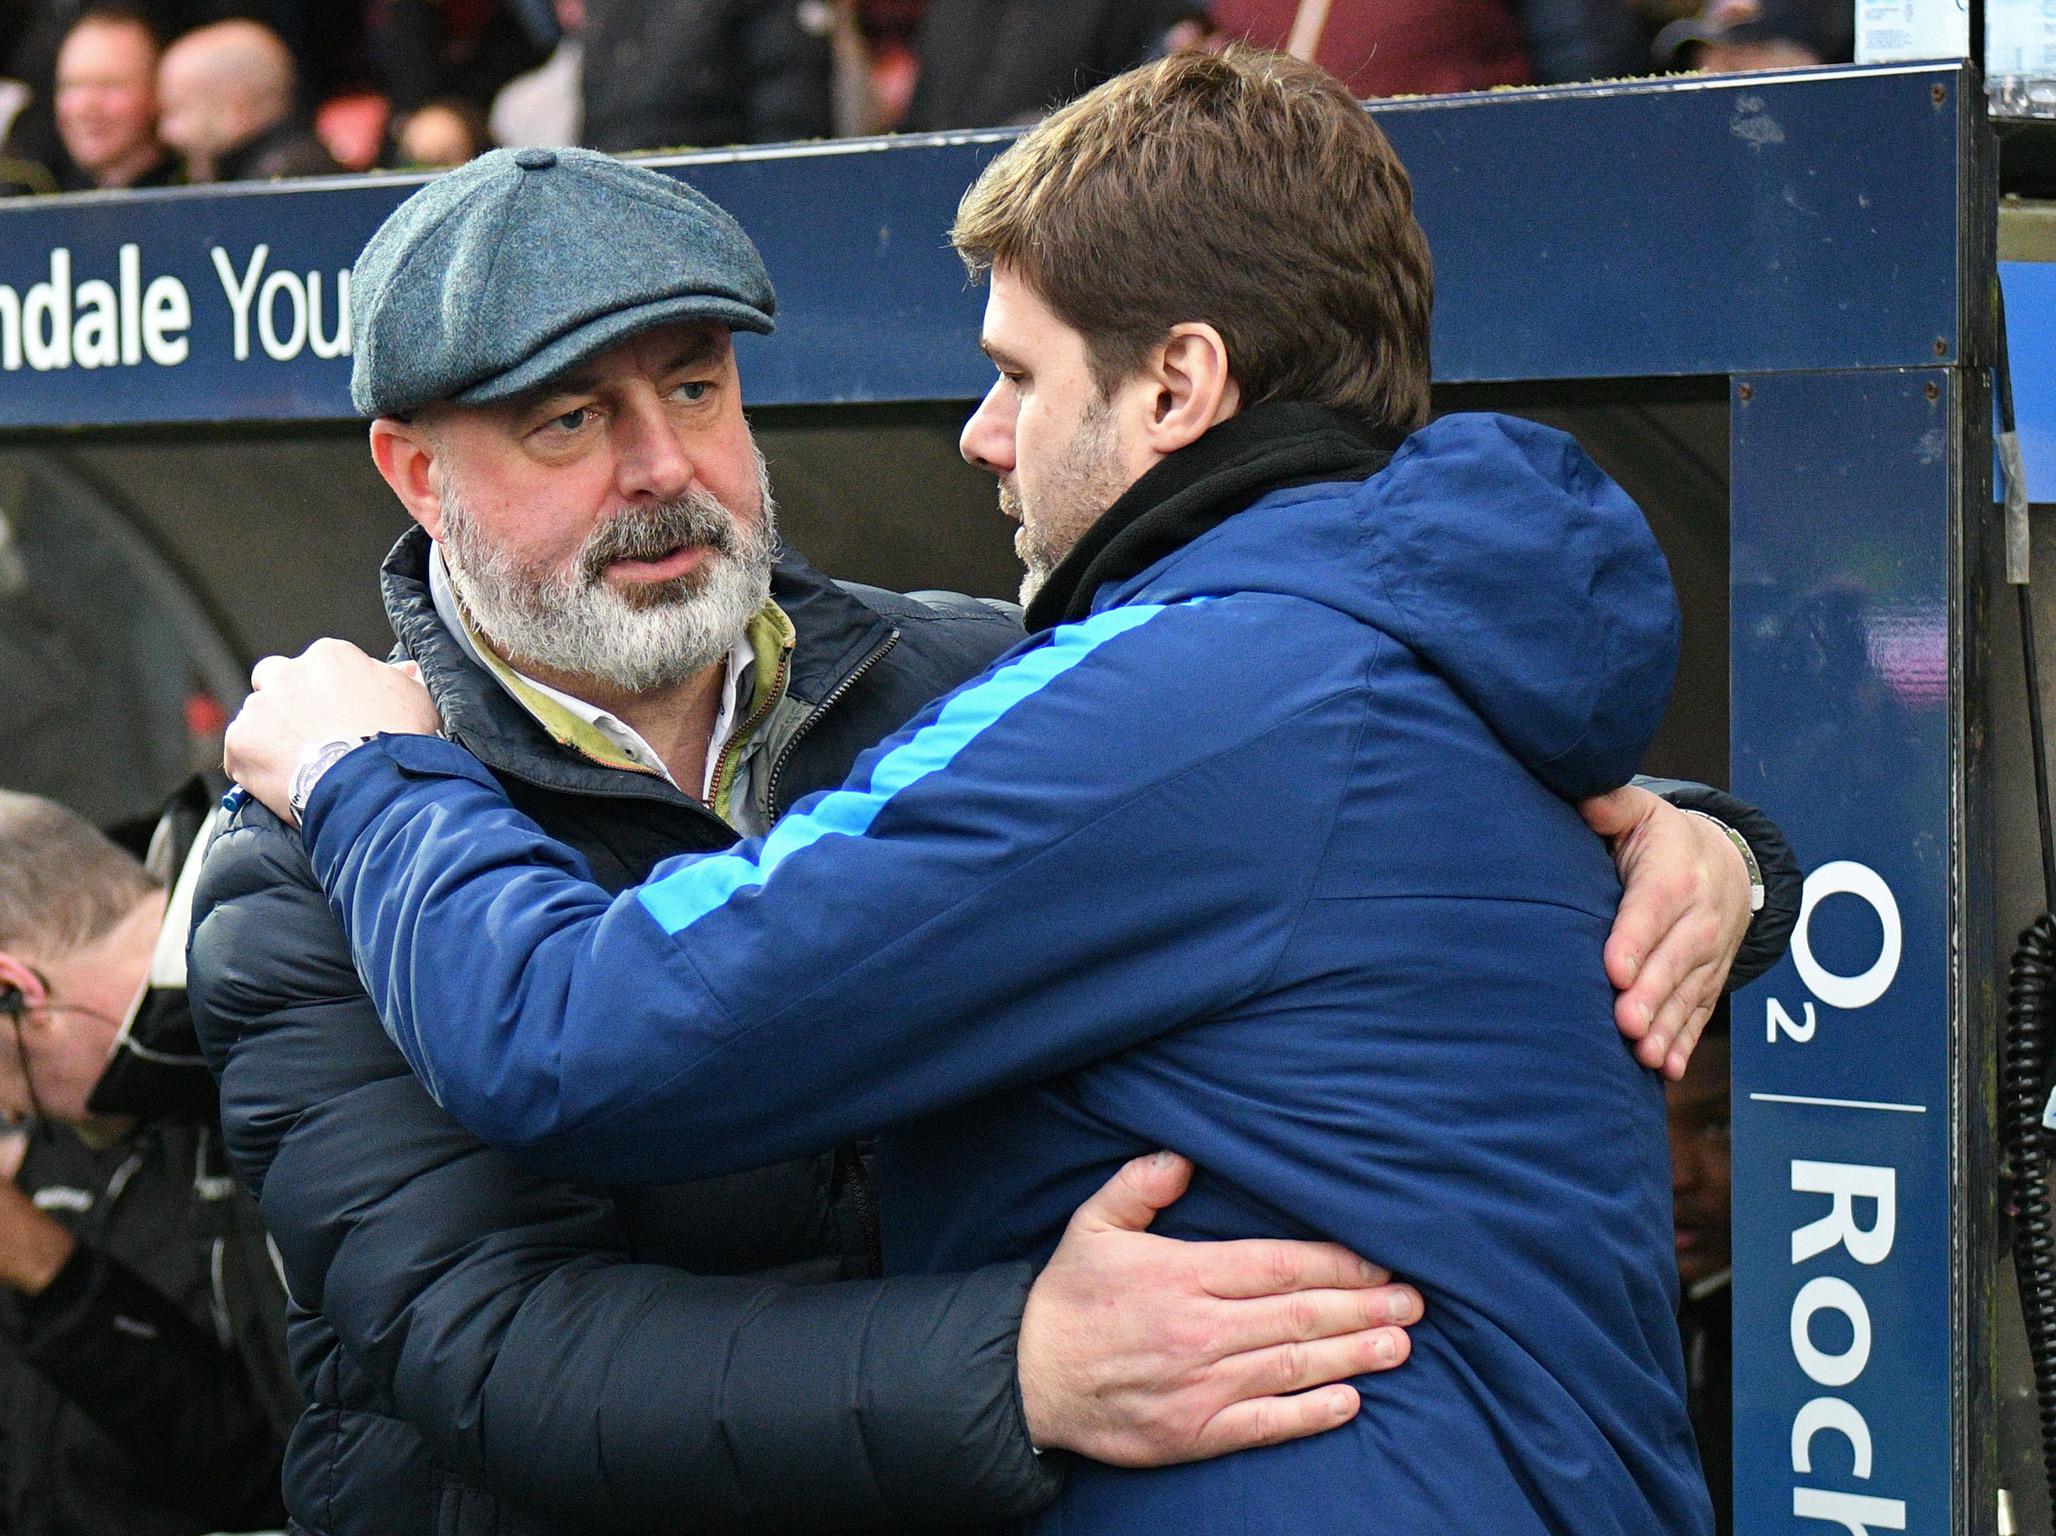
251, 851
986, 616
262, 932
944, 638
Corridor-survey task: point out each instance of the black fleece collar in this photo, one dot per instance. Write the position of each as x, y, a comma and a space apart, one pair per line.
1268, 447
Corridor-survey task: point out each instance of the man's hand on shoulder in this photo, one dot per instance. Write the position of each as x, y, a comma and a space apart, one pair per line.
1684, 910
1144, 1351
330, 692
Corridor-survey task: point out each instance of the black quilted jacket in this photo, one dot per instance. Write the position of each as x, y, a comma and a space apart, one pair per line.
485, 1351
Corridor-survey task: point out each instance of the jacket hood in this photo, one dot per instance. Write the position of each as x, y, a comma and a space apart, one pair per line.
1498, 553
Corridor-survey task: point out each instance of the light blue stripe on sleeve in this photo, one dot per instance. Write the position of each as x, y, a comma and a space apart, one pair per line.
690, 892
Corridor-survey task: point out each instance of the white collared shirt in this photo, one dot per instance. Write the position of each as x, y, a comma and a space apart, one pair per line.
741, 660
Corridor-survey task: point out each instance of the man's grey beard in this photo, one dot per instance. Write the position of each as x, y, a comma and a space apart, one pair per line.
653, 636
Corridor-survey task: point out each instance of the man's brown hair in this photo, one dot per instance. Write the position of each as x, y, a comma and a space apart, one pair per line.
1244, 189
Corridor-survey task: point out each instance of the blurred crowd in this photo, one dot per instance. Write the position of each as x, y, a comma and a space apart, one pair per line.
155, 92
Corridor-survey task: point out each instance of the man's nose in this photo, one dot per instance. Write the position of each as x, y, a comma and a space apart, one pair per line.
651, 461
988, 437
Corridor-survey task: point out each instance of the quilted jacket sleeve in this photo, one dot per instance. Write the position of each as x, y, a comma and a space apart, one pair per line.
1771, 929
506, 1318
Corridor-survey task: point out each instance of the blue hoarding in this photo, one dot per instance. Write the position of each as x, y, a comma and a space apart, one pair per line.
1807, 246
1843, 725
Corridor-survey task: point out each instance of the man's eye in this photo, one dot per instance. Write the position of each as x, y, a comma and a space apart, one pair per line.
573, 419
694, 391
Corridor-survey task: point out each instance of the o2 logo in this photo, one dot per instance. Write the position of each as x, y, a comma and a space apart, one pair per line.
1844, 877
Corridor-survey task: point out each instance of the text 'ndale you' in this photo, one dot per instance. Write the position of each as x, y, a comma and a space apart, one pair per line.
61, 323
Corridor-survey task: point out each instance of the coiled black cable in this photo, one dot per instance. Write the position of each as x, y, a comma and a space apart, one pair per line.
2030, 1029
2023, 1090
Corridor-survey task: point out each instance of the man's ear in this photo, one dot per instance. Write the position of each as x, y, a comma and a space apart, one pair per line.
19, 983
405, 456
1192, 390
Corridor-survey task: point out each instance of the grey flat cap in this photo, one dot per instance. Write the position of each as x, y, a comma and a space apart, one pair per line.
502, 274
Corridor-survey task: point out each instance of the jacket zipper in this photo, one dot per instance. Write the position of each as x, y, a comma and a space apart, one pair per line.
848, 1173
738, 737
861, 1192
862, 1195
800, 734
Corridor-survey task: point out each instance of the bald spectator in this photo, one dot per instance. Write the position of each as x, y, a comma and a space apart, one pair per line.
226, 93
106, 103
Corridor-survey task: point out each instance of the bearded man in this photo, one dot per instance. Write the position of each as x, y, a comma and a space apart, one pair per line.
596, 602
1157, 876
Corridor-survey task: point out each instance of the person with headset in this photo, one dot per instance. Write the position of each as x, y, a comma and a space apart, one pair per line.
148, 1390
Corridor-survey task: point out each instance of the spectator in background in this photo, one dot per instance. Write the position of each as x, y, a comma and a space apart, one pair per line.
36, 29
142, 1324
544, 105
13, 97
36, 32
226, 93
1574, 40
1429, 47
425, 50
984, 63
890, 29
1700, 1203
1393, 47
1731, 36
441, 134
667, 73
106, 104
352, 128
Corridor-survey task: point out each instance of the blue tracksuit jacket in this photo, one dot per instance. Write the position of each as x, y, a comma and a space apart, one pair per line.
1269, 860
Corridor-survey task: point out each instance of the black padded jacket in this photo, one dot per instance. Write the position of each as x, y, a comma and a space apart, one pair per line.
485, 1351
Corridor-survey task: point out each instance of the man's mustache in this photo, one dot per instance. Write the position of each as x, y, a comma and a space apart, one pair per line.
651, 532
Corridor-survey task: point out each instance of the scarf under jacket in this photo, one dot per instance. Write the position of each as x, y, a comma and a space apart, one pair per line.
1268, 447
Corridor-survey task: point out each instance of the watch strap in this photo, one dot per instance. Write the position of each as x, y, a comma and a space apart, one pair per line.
316, 760
1756, 889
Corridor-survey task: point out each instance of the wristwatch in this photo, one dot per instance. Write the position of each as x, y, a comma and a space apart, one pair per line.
316, 758
1748, 856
